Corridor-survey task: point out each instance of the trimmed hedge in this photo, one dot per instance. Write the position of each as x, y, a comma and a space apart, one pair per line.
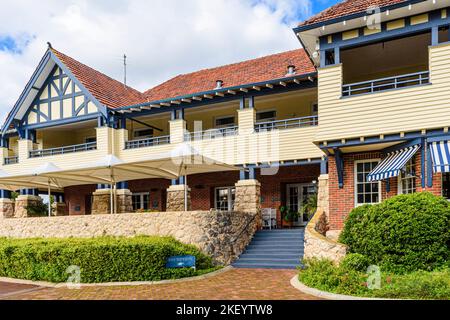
100, 260
402, 234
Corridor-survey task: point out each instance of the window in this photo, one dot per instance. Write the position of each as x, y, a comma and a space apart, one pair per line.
141, 201
224, 122
143, 133
407, 179
366, 192
266, 116
224, 198
446, 185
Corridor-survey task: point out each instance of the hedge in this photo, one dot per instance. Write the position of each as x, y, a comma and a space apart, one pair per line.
403, 234
100, 260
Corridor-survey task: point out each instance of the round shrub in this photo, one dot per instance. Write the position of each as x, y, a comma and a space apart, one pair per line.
100, 259
356, 261
402, 234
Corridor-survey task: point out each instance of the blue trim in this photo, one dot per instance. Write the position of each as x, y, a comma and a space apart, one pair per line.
5, 194
435, 21
123, 185
429, 167
422, 163
29, 192
339, 167
61, 122
324, 166
407, 144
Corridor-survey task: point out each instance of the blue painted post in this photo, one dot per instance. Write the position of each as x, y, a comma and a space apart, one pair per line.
251, 102
100, 121
324, 166
251, 173
182, 113
434, 36
174, 182
123, 123
422, 164
323, 60
340, 167
337, 55
242, 103
242, 175
429, 167
173, 115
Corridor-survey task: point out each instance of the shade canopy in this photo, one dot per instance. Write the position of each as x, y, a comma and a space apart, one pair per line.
440, 155
392, 165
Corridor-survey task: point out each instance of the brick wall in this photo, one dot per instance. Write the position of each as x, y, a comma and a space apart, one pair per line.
76, 198
342, 201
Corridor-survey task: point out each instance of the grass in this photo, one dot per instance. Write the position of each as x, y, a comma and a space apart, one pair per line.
419, 285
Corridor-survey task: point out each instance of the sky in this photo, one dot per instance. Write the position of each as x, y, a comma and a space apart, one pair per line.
161, 38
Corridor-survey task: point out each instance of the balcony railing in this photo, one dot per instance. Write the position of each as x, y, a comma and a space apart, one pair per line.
211, 134
11, 160
287, 124
149, 142
63, 150
402, 81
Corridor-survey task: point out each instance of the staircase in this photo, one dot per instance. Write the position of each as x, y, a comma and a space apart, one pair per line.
276, 249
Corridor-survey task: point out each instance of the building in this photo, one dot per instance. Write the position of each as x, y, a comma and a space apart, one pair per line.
359, 112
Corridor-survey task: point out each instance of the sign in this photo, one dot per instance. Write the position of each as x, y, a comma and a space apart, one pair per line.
181, 262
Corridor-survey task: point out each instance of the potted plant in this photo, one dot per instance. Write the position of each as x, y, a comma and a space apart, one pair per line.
309, 208
289, 218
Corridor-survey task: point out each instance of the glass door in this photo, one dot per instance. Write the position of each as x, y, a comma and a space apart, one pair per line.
297, 196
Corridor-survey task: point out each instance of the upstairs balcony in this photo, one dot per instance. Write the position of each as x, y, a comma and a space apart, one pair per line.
63, 150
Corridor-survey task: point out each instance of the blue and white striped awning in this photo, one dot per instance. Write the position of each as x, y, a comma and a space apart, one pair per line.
392, 165
440, 154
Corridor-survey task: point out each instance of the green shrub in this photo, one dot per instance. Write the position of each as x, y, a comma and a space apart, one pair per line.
402, 234
325, 276
100, 259
356, 261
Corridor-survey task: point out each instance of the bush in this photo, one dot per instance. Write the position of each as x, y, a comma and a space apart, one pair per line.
100, 259
403, 234
325, 276
356, 261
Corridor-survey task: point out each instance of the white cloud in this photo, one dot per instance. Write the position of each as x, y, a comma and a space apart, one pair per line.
162, 38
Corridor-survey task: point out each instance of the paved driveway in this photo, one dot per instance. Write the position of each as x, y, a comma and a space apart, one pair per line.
236, 284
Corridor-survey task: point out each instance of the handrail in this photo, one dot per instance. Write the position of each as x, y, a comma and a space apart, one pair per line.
11, 160
245, 228
211, 133
63, 150
148, 142
382, 84
287, 124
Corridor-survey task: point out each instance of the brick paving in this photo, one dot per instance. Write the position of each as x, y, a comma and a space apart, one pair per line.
236, 284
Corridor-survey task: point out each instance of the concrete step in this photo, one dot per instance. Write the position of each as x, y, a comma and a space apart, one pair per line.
266, 266
275, 256
269, 260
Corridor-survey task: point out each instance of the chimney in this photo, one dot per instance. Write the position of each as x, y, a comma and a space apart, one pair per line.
219, 84
290, 70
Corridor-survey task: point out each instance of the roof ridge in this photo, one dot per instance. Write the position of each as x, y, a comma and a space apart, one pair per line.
224, 66
95, 70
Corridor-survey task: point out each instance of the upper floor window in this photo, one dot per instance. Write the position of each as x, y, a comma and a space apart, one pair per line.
143, 133
266, 116
224, 122
407, 179
366, 192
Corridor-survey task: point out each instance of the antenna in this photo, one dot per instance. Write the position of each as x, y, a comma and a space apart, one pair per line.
125, 69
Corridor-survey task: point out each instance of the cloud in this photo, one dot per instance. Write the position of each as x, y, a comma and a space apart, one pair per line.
162, 38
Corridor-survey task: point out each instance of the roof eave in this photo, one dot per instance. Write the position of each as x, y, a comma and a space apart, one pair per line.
352, 16
223, 90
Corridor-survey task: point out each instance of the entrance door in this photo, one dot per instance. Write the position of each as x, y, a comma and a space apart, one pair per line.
297, 195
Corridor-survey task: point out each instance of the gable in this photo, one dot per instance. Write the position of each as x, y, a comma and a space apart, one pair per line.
59, 98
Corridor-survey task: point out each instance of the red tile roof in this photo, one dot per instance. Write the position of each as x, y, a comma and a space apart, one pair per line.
348, 7
252, 71
106, 90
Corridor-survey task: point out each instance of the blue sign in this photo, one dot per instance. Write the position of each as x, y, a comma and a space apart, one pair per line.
181, 262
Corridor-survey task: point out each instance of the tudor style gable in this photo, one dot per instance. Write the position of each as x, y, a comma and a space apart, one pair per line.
59, 98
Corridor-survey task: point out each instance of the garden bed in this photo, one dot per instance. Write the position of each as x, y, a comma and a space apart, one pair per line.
99, 260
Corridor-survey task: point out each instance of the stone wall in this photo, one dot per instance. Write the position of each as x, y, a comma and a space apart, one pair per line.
176, 197
320, 247
23, 202
223, 235
6, 208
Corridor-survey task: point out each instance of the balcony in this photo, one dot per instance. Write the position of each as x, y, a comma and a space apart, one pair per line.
11, 160
148, 142
63, 150
287, 124
211, 134
378, 85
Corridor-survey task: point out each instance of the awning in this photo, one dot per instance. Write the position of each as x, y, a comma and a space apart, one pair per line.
440, 154
392, 165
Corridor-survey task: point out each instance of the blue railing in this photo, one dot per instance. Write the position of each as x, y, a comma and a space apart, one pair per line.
148, 142
11, 160
63, 150
372, 86
287, 124
211, 133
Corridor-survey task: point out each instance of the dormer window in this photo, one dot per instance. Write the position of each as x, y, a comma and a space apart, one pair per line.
290, 70
219, 84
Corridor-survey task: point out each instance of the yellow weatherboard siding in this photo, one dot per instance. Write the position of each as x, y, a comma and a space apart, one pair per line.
397, 24
347, 35
408, 109
368, 32
419, 19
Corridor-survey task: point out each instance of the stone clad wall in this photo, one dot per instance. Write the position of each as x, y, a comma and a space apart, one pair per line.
222, 235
